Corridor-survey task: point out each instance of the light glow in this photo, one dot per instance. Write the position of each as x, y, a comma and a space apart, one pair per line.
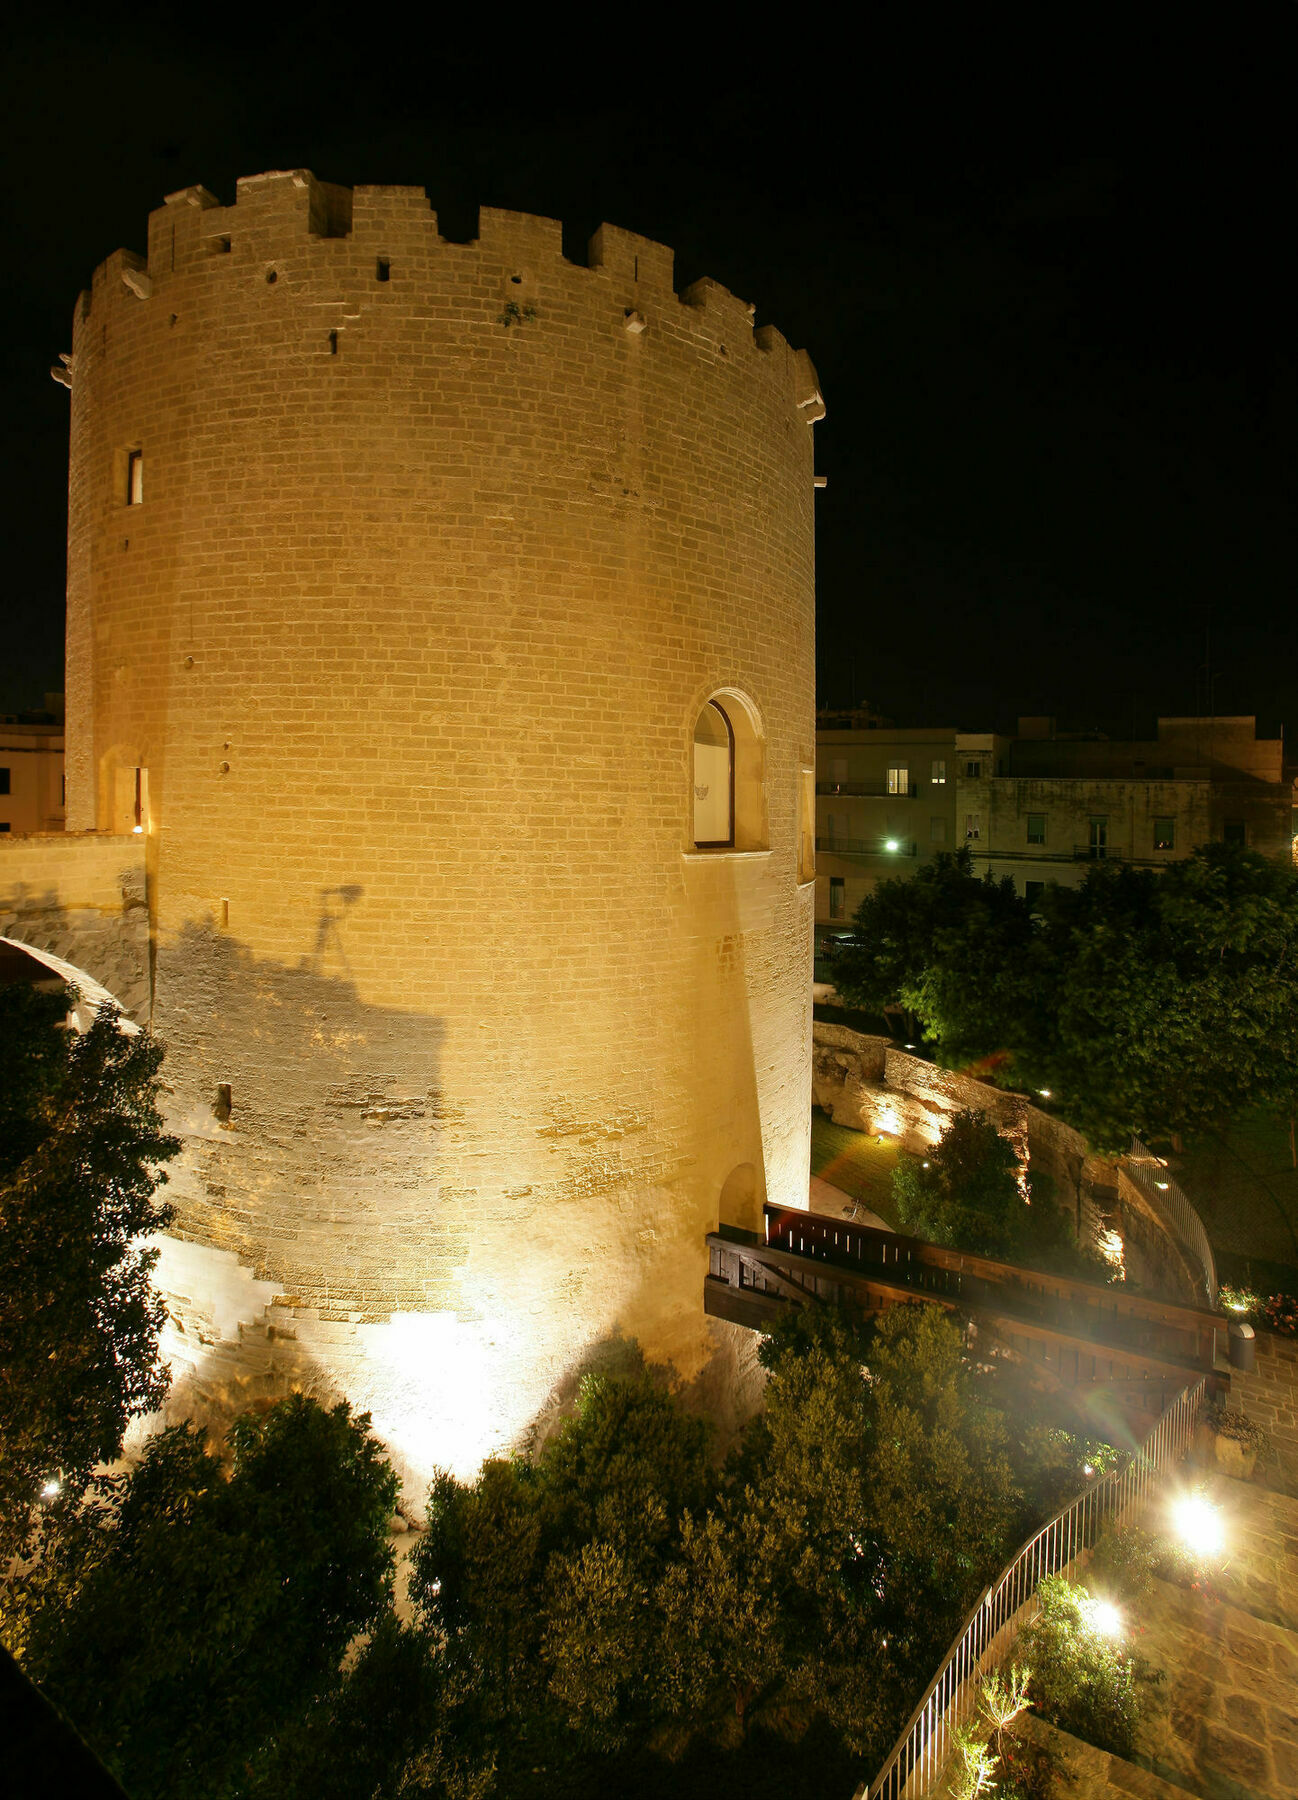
1198, 1524
1104, 1618
51, 1488
891, 844
1044, 1093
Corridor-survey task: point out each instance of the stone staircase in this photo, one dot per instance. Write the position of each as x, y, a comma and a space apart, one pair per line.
1229, 1728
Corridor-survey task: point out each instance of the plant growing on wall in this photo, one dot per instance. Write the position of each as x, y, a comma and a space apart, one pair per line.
1083, 1680
81, 1154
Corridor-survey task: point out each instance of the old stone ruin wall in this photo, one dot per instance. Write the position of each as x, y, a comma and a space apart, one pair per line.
868, 1084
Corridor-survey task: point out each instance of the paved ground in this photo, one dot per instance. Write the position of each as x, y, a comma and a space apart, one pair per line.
1230, 1731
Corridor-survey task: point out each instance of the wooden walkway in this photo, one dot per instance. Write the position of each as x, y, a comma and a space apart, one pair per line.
1077, 1334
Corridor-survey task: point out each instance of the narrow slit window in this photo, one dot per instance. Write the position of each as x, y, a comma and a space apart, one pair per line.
223, 1106
714, 780
383, 269
135, 478
333, 343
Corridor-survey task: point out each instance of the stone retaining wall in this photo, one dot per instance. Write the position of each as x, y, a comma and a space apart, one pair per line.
1269, 1394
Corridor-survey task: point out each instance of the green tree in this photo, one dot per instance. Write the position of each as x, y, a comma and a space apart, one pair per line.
541, 1575
181, 1618
950, 948
81, 1149
1142, 1001
967, 1193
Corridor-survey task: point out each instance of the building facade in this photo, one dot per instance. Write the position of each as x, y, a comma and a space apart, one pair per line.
1038, 805
31, 769
885, 805
1044, 806
413, 582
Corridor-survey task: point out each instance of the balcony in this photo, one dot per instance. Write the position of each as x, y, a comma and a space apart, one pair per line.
889, 847
872, 790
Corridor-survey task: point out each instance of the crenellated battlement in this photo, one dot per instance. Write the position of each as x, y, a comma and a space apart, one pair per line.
323, 241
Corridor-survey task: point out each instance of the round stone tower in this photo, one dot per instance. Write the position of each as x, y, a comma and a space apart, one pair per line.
441, 615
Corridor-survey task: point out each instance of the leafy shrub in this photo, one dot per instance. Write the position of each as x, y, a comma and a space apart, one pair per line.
1083, 1681
1124, 1563
992, 1755
1238, 1300
967, 1195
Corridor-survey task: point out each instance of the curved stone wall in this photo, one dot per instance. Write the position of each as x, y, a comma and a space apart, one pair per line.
439, 549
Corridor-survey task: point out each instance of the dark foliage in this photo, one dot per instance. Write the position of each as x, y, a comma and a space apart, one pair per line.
182, 1618
1141, 1000
81, 1144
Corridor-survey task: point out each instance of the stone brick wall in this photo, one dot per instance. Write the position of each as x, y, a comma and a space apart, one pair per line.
1269, 1394
83, 899
442, 547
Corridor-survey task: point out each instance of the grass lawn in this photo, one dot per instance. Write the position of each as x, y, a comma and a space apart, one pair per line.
855, 1162
1245, 1189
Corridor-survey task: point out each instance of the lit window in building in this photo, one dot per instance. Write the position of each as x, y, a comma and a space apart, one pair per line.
1165, 834
1036, 828
899, 779
135, 478
837, 897
939, 770
714, 780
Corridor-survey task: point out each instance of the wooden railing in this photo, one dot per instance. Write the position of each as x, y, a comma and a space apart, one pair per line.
919, 1757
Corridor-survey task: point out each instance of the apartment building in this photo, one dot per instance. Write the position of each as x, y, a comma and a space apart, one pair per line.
31, 769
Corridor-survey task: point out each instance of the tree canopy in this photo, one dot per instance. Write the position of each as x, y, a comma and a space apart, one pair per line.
1142, 1000
181, 1617
81, 1149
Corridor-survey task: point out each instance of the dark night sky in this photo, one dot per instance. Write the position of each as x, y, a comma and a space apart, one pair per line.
1045, 281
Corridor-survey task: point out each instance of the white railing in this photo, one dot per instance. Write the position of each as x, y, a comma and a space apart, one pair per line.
1172, 1206
919, 1756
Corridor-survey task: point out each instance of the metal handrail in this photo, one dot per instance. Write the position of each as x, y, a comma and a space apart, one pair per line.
1173, 1207
920, 1753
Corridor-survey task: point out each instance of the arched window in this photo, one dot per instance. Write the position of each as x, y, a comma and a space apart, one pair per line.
714, 779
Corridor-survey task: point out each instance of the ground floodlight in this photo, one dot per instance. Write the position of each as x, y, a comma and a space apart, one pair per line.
1198, 1524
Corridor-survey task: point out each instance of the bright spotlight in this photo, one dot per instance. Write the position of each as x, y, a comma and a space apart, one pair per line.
51, 1487
1104, 1618
1198, 1524
1044, 1093
890, 844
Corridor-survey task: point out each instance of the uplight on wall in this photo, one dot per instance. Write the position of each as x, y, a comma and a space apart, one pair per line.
891, 844
1198, 1524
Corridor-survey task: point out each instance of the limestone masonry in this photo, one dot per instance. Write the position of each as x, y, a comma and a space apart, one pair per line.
399, 573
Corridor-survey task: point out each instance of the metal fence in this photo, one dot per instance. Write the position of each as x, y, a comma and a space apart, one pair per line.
920, 1754
1171, 1204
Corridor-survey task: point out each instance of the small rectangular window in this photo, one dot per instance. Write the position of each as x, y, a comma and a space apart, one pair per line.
973, 771
383, 269
4, 781
899, 779
937, 831
223, 1106
1165, 834
973, 827
1235, 831
135, 478
1098, 839
837, 897
4, 825
939, 770
1036, 828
